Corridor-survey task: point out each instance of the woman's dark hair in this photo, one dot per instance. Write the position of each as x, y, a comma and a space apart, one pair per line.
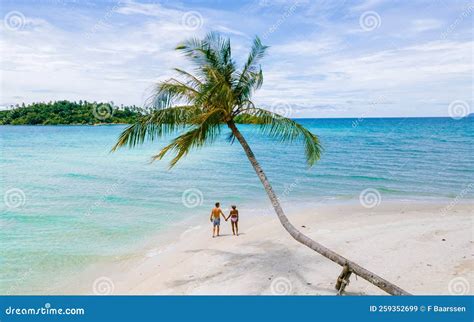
234, 206
217, 204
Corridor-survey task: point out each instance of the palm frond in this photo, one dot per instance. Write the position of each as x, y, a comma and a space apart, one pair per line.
211, 53
202, 52
213, 94
256, 54
174, 91
206, 130
192, 80
285, 129
156, 124
251, 76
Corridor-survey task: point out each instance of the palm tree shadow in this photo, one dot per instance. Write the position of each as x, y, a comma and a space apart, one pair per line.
261, 263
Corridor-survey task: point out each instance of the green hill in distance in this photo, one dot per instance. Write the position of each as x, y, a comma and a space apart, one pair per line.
77, 113
70, 113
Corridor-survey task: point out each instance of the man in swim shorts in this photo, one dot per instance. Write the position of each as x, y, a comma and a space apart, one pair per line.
216, 213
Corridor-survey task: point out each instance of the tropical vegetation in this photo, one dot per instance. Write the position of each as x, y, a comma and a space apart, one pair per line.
66, 112
78, 113
202, 103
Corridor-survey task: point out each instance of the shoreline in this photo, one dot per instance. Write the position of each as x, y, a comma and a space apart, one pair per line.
469, 116
430, 249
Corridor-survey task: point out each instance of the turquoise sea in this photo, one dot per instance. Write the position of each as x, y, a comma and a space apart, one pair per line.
68, 202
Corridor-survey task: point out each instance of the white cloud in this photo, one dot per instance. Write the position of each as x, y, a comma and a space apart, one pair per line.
409, 76
315, 63
45, 62
367, 4
421, 25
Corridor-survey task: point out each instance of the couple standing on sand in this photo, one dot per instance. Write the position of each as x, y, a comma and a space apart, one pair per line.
216, 213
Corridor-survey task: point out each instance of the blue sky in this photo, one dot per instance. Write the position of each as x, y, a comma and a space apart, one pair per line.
327, 58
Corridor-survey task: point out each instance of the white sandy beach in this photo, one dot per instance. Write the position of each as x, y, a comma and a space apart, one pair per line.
425, 248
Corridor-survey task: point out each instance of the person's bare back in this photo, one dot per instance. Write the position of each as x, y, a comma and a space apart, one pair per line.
216, 212
215, 218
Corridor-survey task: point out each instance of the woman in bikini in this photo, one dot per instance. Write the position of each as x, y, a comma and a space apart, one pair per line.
234, 220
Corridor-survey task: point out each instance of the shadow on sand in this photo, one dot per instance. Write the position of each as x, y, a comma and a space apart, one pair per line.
262, 267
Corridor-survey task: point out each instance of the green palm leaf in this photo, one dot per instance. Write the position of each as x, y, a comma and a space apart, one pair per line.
206, 130
157, 124
287, 130
213, 95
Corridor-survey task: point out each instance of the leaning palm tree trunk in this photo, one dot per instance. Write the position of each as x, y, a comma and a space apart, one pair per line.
349, 266
218, 94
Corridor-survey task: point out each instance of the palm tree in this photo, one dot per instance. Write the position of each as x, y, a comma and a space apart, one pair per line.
203, 102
